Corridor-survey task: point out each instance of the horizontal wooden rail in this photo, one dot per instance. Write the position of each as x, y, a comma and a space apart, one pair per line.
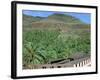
75, 63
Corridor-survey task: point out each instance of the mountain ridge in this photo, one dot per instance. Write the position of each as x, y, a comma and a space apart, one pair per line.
54, 20
55, 16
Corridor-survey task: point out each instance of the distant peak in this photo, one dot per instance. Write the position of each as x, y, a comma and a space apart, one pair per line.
64, 18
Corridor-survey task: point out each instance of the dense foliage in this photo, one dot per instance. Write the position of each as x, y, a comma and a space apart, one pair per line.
43, 46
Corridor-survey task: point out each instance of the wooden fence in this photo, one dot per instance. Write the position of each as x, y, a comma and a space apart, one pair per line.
75, 63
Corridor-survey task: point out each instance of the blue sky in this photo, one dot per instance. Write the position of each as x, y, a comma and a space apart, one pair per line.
84, 17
